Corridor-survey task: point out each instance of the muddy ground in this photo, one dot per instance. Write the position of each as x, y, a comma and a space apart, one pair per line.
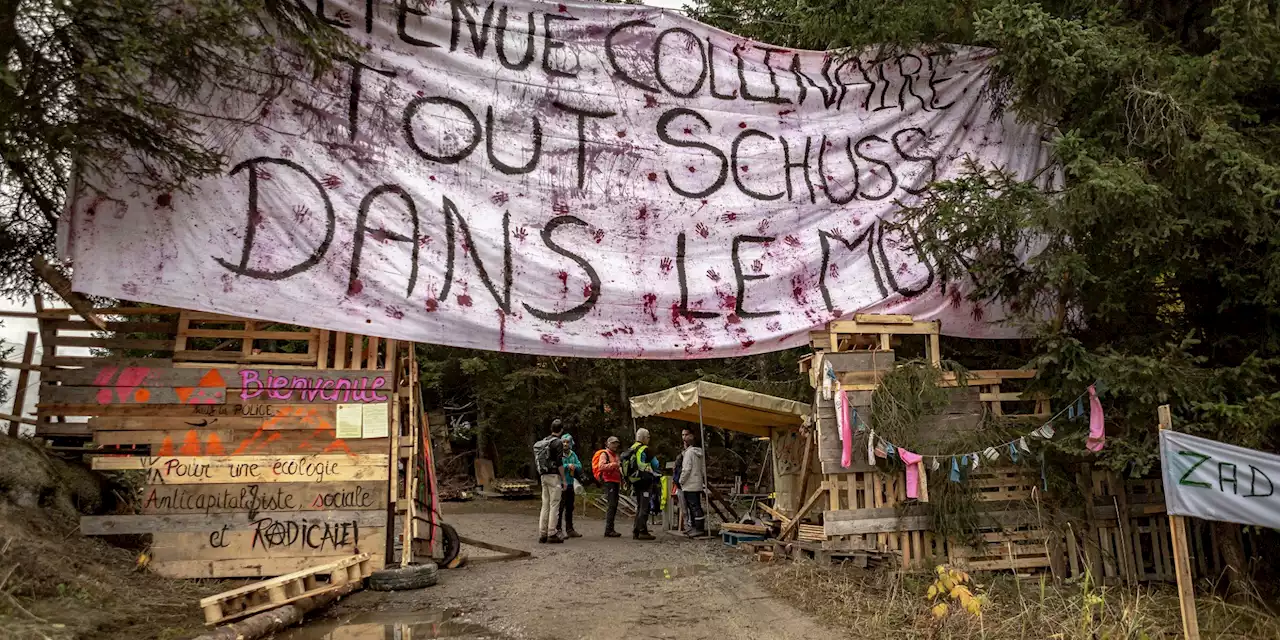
591, 587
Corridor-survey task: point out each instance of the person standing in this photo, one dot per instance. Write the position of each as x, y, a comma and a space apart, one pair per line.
548, 455
605, 464
637, 464
570, 466
693, 481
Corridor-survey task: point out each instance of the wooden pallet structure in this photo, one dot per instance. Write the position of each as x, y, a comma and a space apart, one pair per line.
1121, 535
269, 594
199, 402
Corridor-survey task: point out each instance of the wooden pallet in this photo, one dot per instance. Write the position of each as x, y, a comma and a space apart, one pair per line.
269, 594
734, 539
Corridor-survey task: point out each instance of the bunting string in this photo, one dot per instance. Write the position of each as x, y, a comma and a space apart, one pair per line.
879, 446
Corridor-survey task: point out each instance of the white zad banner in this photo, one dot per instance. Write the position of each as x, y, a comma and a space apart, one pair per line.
576, 179
1215, 481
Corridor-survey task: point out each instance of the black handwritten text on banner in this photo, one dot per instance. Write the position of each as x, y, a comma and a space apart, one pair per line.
1208, 479
580, 179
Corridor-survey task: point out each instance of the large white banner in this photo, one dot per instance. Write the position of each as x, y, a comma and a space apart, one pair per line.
1215, 481
566, 178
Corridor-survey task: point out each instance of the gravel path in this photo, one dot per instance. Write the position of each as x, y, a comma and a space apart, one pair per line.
591, 587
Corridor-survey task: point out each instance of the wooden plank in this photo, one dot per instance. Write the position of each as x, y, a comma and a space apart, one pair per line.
245, 567
235, 442
62, 286
193, 411
51, 360
800, 514
883, 318
287, 418
20, 392
340, 349
63, 429
257, 521
230, 498
232, 356
257, 586
322, 350
257, 334
126, 326
14, 421
1181, 559
250, 469
915, 328
114, 343
270, 539
64, 395
253, 378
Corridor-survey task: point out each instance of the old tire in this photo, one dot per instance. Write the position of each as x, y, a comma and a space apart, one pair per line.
450, 544
414, 576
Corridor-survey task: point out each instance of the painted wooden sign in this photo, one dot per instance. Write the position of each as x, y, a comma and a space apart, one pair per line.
250, 469
109, 385
246, 498
282, 419
222, 442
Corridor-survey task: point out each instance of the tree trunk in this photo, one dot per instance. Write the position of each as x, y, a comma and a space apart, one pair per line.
275, 620
1240, 585
8, 30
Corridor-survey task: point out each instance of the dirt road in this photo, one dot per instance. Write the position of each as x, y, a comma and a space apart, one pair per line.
592, 587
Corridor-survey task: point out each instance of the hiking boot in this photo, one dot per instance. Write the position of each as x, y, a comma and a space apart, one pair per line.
612, 534
555, 539
542, 539
573, 534
644, 535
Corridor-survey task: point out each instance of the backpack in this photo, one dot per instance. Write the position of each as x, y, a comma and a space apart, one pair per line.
547, 453
631, 471
596, 461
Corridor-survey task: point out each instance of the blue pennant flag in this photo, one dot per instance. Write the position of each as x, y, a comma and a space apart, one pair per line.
858, 427
1071, 412
889, 450
1080, 406
955, 470
1013, 451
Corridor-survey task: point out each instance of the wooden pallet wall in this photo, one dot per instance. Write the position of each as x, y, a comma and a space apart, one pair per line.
236, 425
1120, 534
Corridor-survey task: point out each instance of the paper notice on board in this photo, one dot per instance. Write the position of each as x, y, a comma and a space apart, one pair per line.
350, 421
375, 420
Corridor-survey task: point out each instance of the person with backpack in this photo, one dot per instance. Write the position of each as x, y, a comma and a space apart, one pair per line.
693, 481
637, 469
548, 454
571, 467
606, 466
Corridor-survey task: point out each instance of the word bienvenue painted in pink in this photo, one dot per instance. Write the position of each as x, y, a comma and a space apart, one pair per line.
355, 389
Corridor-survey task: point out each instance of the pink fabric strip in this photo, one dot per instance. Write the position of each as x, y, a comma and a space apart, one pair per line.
1097, 435
913, 471
846, 431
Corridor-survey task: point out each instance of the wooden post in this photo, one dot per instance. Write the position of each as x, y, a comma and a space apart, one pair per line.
20, 393
804, 473
1181, 558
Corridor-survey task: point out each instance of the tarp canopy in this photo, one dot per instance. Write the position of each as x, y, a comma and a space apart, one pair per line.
721, 406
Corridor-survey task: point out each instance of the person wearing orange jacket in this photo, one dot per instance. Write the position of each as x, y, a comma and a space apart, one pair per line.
605, 464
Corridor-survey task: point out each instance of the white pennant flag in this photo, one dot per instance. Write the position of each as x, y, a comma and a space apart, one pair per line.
991, 454
975, 461
871, 448
935, 465
1048, 431
1022, 444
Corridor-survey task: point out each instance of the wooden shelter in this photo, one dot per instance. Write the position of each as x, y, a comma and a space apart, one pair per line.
784, 422
266, 448
1120, 534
